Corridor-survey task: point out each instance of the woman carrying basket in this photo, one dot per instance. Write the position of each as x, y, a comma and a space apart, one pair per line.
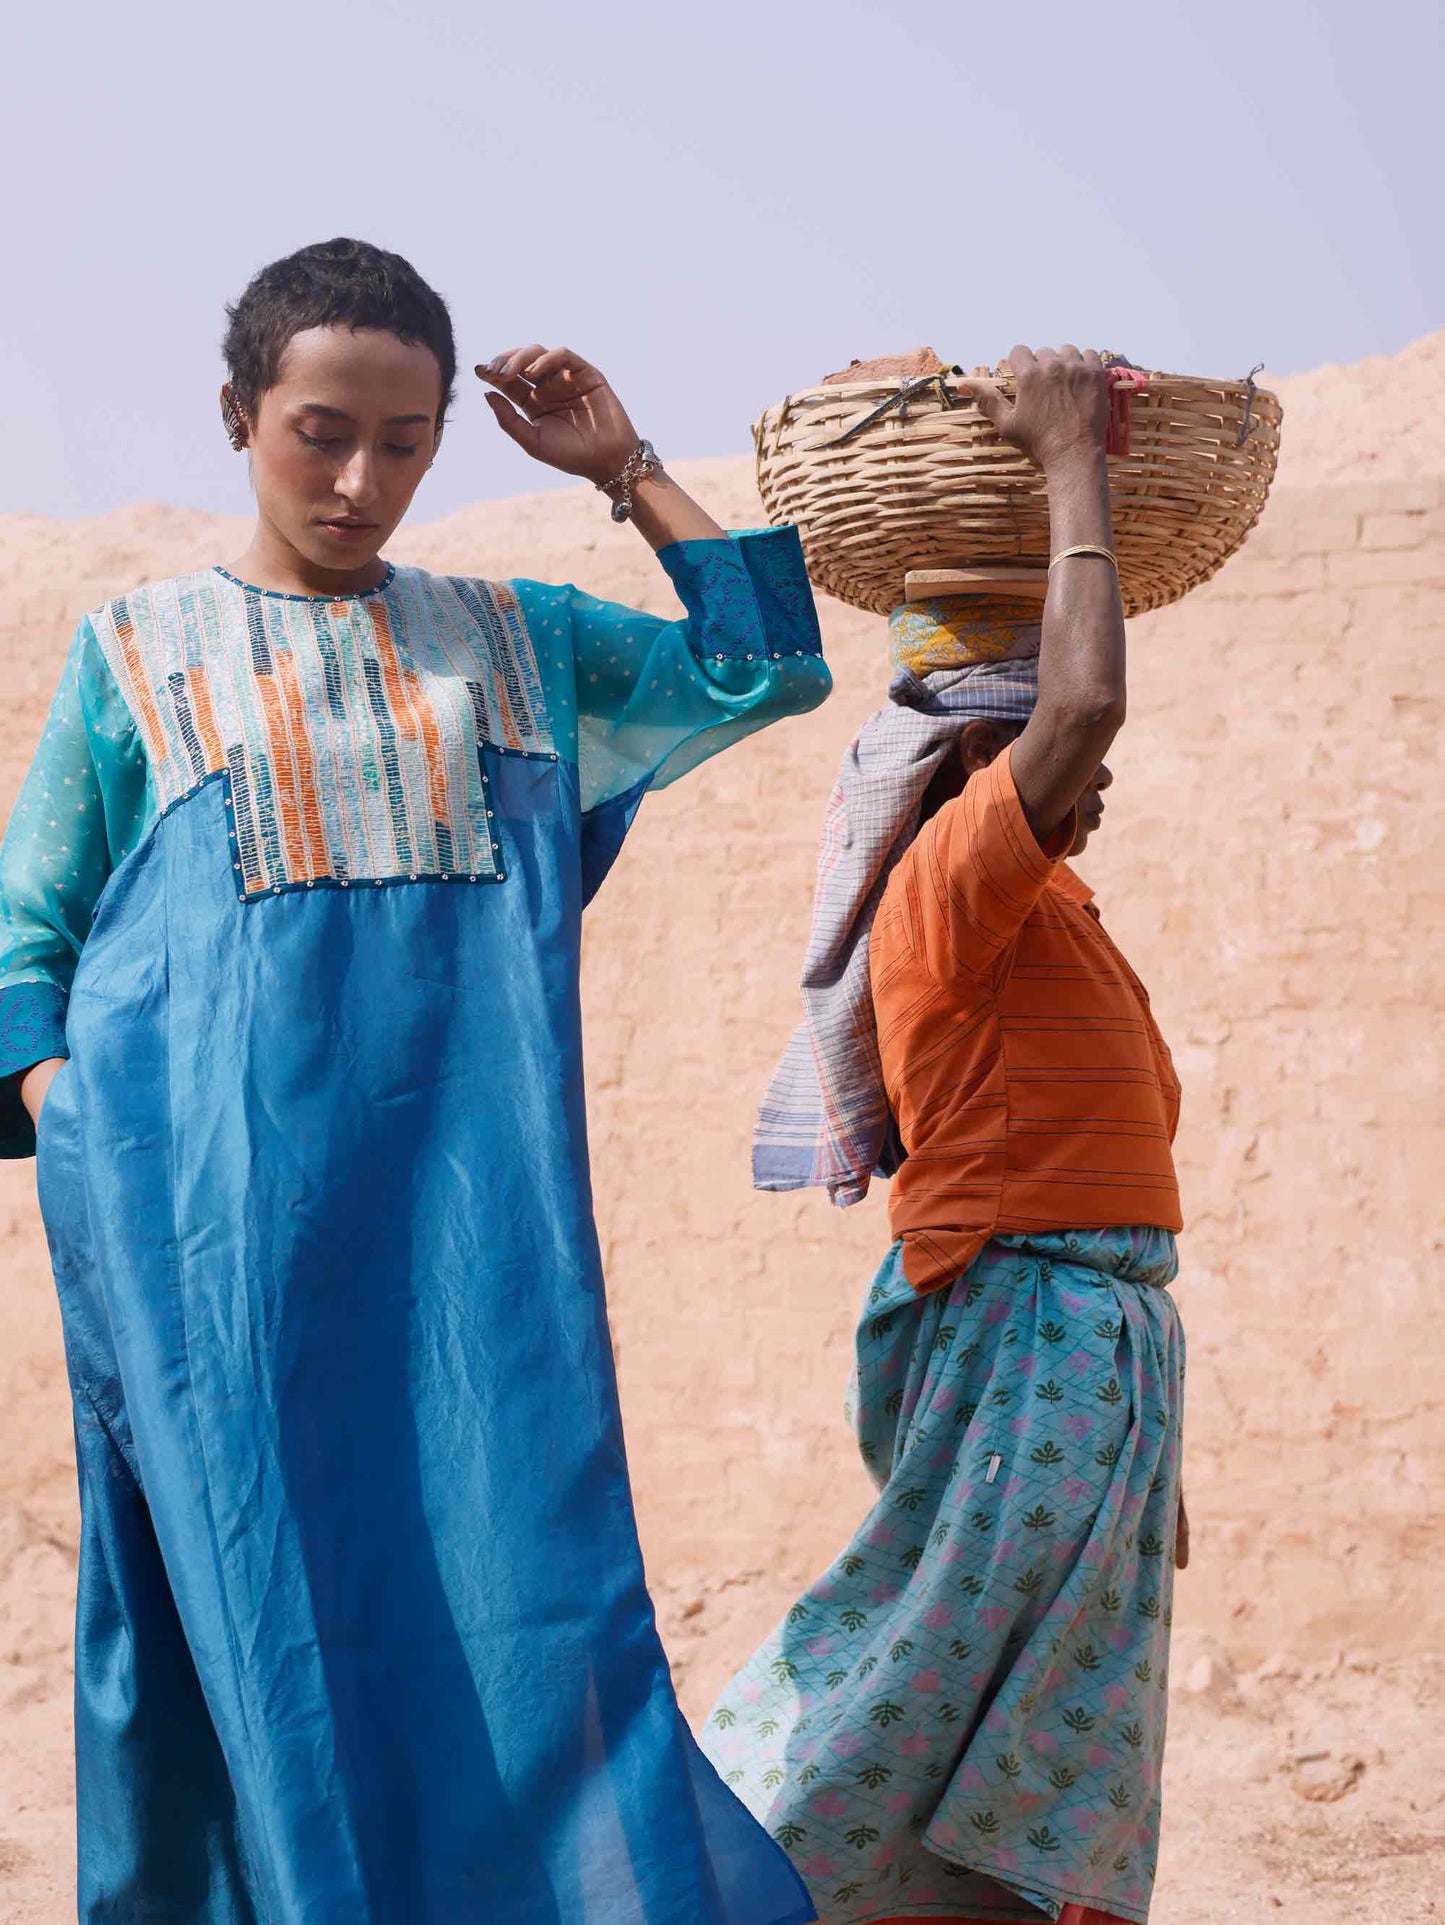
296, 885
964, 1718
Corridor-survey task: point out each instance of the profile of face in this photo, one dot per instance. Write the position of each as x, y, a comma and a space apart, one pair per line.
978, 744
341, 440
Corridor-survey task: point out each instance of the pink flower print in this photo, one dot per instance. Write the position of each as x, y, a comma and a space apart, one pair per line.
1007, 1861
820, 1866
923, 1895
925, 1681
996, 1721
1098, 1757
847, 1744
1119, 1638
978, 1681
1116, 1696
1084, 1821
751, 1692
994, 1615
819, 1647
1018, 1425
1072, 1304
1011, 1486
900, 1801
882, 1593
916, 1745
936, 1617
1078, 1363
1043, 1744
1028, 1803
970, 1778
1078, 1426
881, 1536
996, 1311
1073, 1490
832, 1804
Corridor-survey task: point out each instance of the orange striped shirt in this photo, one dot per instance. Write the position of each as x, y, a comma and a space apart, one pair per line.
1029, 1081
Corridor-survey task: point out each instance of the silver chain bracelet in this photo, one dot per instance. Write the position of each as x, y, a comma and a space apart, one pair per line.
641, 462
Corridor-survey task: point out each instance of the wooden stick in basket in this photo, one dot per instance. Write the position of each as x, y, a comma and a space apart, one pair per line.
929, 584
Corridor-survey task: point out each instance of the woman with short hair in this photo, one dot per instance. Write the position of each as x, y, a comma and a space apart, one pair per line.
292, 905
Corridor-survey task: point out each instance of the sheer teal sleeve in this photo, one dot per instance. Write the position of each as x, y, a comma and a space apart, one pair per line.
82, 808
656, 697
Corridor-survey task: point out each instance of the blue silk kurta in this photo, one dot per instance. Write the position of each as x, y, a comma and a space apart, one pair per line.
363, 1635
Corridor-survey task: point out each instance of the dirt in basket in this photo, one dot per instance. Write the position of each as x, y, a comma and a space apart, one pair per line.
889, 367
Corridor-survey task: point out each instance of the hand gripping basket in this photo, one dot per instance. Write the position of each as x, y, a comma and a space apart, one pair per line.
889, 479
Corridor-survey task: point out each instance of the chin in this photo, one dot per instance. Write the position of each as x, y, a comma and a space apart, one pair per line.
341, 556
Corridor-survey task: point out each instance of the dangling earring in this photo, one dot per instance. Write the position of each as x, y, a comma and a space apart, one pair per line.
233, 421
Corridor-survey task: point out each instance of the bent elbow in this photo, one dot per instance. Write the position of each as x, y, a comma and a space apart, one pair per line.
1104, 714
1091, 718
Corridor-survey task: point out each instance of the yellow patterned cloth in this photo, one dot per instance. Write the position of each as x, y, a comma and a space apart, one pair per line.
958, 631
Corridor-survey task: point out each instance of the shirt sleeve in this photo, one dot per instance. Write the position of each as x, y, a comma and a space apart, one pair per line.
82, 807
654, 698
973, 874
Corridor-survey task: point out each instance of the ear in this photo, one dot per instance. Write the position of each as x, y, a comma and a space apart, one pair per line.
978, 744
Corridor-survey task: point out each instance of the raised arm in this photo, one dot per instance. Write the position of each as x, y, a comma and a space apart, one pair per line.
648, 698
1059, 420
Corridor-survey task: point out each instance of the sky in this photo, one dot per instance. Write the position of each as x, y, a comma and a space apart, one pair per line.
714, 205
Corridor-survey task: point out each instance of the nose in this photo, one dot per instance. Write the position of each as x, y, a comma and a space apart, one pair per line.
356, 480
1105, 778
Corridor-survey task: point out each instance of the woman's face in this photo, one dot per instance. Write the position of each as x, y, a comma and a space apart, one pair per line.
341, 441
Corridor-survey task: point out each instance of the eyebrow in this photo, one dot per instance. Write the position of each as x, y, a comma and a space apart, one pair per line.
340, 414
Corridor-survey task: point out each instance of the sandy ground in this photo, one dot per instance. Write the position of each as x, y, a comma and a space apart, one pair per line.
1271, 867
1314, 1799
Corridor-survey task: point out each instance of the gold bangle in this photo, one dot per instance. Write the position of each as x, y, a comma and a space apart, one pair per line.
1085, 548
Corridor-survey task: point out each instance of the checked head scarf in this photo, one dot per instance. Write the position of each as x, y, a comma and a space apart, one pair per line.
825, 1119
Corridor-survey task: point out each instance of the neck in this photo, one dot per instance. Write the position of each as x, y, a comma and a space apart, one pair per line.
270, 561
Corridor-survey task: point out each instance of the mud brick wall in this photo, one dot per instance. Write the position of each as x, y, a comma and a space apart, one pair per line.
1271, 866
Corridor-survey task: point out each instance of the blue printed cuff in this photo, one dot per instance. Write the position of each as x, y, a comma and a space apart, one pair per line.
748, 595
32, 1028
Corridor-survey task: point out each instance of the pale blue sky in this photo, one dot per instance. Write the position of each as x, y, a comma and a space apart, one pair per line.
714, 205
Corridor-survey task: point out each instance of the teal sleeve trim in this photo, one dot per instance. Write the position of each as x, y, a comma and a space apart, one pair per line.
32, 1028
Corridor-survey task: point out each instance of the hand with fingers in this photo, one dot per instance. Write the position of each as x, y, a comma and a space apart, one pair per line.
560, 409
1060, 413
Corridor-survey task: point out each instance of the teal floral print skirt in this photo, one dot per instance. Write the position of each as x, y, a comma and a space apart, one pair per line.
964, 1718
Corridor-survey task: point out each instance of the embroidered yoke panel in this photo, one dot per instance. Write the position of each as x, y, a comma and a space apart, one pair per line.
347, 733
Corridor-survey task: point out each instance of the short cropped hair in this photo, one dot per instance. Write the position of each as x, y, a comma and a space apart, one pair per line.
337, 283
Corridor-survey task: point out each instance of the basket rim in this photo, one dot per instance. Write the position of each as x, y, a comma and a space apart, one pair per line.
889, 385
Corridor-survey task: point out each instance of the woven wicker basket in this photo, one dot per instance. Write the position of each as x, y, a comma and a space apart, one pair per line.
931, 486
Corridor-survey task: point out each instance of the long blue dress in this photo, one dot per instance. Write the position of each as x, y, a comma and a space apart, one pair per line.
363, 1636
